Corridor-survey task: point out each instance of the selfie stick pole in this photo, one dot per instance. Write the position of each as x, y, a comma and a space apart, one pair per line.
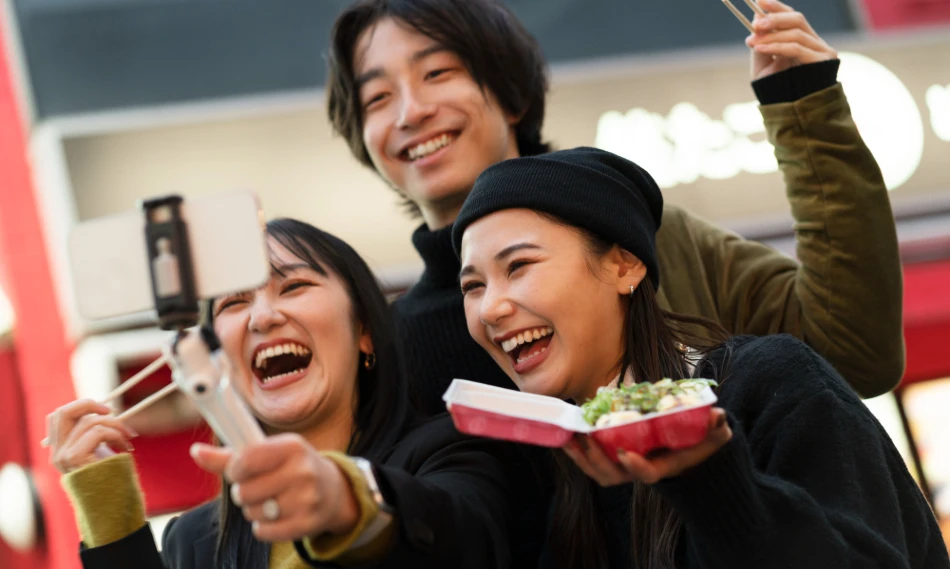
200, 368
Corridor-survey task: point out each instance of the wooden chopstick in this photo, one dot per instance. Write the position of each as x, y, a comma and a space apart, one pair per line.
755, 7
136, 379
129, 384
739, 15
148, 401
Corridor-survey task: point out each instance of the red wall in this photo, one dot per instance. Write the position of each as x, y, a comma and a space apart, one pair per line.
41, 350
892, 14
927, 320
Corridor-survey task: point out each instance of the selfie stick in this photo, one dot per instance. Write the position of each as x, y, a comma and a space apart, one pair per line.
200, 368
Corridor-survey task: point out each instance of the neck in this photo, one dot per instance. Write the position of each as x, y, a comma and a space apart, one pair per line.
330, 433
442, 215
596, 382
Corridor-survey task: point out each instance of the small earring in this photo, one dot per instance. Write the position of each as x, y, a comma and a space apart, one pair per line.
370, 361
632, 288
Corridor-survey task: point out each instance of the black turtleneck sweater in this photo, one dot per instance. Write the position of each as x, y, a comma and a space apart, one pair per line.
430, 320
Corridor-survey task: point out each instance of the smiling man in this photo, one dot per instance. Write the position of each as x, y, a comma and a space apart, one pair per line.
430, 93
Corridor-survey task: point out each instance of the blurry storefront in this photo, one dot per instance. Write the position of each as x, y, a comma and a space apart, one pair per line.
689, 117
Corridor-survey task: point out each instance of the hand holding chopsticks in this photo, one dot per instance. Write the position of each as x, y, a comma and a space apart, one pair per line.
129, 384
781, 37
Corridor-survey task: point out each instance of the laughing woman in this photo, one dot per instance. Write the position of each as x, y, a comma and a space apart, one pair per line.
313, 355
794, 471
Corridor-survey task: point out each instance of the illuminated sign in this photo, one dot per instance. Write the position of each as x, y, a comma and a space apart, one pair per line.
938, 101
687, 144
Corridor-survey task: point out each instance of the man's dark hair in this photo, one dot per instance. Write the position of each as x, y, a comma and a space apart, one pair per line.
499, 53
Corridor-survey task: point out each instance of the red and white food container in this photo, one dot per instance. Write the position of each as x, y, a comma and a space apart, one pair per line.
494, 412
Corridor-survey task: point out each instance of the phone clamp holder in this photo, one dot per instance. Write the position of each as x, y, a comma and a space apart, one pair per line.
200, 368
169, 253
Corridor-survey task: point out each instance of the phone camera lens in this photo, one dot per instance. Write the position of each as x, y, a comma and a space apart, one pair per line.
200, 388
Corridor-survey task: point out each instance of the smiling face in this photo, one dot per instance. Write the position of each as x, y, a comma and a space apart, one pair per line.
429, 128
294, 344
548, 310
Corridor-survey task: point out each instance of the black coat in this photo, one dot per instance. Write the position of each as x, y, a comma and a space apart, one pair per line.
459, 502
809, 479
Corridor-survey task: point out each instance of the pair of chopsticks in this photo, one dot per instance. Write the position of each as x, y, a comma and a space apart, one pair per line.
129, 384
745, 21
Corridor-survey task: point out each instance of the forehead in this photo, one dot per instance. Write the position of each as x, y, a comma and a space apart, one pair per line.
388, 40
487, 236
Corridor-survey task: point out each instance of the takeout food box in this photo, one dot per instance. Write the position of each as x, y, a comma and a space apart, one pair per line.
487, 411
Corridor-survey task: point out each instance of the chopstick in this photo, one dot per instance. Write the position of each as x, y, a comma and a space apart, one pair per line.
755, 7
135, 379
129, 384
148, 401
739, 15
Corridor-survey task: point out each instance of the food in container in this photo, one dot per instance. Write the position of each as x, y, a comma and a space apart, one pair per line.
636, 420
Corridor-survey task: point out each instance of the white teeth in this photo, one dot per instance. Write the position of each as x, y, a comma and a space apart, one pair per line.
524, 357
260, 359
528, 336
267, 380
430, 146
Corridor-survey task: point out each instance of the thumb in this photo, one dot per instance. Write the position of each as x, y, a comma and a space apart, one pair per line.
211, 458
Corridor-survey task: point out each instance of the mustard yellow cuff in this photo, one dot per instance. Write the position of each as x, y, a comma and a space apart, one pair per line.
107, 499
339, 548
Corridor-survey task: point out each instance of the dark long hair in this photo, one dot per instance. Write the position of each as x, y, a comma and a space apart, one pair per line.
654, 341
502, 57
383, 409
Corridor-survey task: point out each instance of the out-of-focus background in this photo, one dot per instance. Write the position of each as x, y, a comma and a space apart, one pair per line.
105, 102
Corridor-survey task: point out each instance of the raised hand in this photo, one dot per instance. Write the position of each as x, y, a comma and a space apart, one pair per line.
82, 432
784, 39
588, 455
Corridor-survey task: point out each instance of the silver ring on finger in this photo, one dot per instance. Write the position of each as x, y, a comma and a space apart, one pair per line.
270, 510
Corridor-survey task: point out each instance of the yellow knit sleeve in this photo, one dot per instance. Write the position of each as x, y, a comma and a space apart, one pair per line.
107, 499
340, 548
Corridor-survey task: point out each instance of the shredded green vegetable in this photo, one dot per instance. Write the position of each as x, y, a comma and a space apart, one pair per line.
640, 397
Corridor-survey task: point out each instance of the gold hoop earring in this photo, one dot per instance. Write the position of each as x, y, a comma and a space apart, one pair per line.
370, 361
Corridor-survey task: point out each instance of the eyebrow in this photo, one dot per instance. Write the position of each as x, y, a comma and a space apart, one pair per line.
282, 270
506, 252
377, 72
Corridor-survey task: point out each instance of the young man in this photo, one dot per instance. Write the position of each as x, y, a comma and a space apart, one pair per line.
429, 93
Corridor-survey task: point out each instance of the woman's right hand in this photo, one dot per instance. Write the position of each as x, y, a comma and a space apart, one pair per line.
82, 432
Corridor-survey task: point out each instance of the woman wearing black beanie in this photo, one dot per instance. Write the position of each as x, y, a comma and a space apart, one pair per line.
559, 274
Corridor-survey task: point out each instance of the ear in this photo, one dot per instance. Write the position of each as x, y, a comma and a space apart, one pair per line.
626, 268
366, 340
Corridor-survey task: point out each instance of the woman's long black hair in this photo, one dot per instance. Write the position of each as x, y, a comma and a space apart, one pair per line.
383, 409
654, 340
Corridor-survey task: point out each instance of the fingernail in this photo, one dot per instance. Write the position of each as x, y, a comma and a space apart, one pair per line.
621, 452
193, 450
236, 494
721, 420
763, 23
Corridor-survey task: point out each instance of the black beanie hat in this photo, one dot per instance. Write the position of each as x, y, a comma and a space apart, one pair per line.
593, 189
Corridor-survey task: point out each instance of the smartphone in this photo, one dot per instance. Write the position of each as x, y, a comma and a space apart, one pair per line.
109, 262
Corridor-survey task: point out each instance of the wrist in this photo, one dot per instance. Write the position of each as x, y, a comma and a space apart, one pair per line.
348, 513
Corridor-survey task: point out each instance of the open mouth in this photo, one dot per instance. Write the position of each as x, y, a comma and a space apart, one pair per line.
527, 344
428, 147
274, 362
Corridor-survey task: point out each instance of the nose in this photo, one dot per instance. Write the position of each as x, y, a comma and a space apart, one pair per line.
414, 109
264, 315
495, 307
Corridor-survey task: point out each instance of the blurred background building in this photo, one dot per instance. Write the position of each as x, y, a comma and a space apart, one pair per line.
105, 102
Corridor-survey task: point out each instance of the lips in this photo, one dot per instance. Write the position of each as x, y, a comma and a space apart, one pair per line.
279, 360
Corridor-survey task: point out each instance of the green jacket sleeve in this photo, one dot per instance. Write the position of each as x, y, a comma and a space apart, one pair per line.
844, 296
107, 500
